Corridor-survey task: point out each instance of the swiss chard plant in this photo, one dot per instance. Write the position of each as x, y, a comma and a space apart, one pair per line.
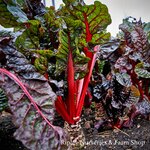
30, 100
124, 87
85, 28
47, 44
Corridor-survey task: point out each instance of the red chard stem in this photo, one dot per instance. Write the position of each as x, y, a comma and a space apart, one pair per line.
21, 85
86, 81
71, 83
88, 33
61, 109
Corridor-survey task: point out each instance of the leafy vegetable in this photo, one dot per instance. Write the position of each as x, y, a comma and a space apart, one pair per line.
92, 21
126, 82
7, 20
80, 60
31, 101
28, 40
142, 70
147, 30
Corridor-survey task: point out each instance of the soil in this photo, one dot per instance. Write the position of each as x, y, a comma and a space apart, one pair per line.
135, 138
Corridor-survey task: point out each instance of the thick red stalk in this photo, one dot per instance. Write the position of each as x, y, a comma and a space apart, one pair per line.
86, 82
77, 90
88, 33
88, 53
80, 86
75, 94
62, 110
71, 83
90, 66
46, 75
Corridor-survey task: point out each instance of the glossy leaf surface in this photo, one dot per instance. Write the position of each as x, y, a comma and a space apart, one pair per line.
7, 20
3, 101
31, 100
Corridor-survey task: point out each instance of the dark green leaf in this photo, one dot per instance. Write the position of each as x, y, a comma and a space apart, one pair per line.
29, 39
18, 13
90, 20
68, 43
3, 100
124, 79
142, 71
147, 30
7, 20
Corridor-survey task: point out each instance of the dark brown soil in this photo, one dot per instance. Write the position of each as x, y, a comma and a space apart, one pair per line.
136, 138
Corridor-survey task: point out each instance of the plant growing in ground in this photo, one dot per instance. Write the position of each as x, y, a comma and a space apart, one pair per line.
78, 39
47, 42
125, 85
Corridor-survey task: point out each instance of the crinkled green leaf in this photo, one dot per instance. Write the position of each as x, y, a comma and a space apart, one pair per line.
73, 23
31, 100
90, 20
7, 20
147, 30
41, 64
26, 43
67, 42
124, 79
29, 39
142, 71
3, 100
42, 59
45, 53
100, 38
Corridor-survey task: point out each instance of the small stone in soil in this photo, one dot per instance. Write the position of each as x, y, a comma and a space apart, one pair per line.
87, 125
87, 111
138, 126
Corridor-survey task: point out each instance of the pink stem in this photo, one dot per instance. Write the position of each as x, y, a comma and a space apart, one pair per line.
86, 82
80, 86
21, 85
71, 86
62, 110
